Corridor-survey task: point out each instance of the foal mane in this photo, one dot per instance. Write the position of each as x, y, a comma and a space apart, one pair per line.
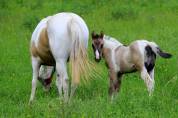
112, 40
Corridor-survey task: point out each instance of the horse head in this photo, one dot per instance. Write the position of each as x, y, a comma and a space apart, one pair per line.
97, 45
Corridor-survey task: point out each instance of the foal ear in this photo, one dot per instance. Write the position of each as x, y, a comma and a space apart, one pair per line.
101, 34
93, 34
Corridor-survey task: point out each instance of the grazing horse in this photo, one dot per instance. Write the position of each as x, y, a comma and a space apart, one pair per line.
140, 56
56, 40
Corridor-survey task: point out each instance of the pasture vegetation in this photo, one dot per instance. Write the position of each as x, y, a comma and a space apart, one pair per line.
127, 20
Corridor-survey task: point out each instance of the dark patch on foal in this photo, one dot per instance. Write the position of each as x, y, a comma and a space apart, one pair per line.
151, 58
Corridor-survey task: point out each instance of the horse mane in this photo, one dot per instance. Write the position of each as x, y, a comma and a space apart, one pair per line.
112, 41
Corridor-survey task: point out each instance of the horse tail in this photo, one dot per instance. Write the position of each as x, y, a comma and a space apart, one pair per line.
78, 56
158, 51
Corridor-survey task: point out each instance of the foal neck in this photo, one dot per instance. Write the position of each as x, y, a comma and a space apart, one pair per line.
111, 43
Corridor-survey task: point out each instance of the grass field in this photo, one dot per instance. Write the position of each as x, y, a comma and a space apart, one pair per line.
126, 20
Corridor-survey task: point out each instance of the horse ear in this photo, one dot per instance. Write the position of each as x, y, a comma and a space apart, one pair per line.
93, 34
101, 34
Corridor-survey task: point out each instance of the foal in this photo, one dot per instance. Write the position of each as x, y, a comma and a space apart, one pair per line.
140, 56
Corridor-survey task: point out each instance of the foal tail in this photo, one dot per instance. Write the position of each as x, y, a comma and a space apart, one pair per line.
78, 56
158, 51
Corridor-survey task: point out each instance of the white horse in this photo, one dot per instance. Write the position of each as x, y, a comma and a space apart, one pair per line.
55, 40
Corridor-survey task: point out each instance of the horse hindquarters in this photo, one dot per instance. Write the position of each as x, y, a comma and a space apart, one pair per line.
139, 59
69, 40
60, 45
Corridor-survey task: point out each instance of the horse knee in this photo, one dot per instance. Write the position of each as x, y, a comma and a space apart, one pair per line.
65, 89
111, 88
59, 84
65, 84
34, 81
117, 85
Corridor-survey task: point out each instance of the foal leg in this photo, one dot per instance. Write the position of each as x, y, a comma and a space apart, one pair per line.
151, 73
62, 78
118, 82
113, 83
35, 67
146, 77
111, 87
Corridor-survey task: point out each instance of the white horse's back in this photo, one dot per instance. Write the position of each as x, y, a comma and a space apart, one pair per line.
58, 30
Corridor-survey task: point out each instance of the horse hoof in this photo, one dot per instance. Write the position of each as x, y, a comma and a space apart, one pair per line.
46, 88
30, 102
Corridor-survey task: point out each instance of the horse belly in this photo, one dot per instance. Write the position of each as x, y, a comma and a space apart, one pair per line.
124, 60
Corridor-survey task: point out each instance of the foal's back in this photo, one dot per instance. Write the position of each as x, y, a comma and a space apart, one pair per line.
130, 58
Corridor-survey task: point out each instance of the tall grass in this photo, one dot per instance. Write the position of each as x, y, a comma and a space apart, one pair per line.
125, 20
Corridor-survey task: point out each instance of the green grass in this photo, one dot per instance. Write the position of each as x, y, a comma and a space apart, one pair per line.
127, 20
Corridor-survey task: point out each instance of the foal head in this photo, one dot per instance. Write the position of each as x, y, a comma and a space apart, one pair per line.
97, 45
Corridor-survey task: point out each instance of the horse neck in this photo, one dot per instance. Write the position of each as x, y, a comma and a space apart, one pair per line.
111, 43
108, 48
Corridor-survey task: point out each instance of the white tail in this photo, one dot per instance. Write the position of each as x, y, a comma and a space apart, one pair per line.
78, 56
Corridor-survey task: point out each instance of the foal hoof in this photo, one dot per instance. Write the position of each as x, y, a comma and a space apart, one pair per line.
30, 102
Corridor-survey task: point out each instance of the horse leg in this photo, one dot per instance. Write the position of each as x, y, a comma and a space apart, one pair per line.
59, 83
149, 82
66, 88
73, 88
111, 87
113, 81
62, 78
151, 73
118, 82
35, 67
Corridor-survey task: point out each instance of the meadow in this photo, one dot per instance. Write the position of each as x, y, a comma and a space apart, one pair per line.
126, 20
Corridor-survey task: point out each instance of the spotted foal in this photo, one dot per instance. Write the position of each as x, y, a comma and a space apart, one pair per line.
140, 56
